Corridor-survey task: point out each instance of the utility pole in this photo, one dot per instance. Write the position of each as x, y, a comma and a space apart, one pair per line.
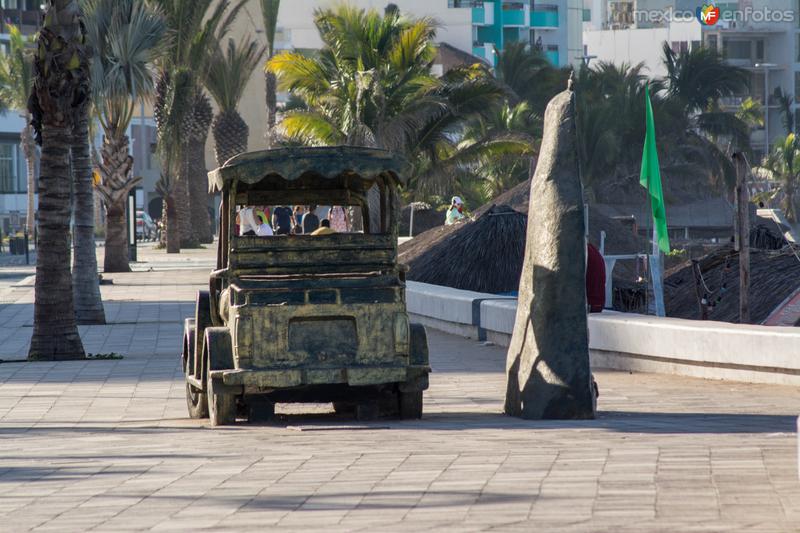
742, 238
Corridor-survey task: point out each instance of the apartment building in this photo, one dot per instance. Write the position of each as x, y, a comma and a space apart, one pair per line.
552, 25
762, 37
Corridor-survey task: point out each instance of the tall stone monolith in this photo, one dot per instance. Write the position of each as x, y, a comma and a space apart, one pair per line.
548, 359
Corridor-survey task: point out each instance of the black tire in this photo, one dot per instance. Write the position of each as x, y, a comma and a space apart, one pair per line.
419, 345
221, 406
411, 405
196, 401
218, 355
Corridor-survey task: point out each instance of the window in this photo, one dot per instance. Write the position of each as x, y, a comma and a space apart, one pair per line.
797, 86
12, 178
797, 48
695, 45
760, 49
736, 49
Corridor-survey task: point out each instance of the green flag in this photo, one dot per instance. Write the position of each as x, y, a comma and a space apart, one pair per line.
650, 177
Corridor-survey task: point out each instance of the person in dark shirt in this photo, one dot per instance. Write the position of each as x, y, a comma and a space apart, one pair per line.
310, 221
282, 220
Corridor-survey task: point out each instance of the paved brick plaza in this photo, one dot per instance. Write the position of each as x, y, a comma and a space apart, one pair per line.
107, 444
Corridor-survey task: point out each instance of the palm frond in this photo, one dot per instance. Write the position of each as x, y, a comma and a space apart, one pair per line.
269, 15
229, 71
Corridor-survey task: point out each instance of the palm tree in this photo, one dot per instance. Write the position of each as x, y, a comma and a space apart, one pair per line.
16, 81
60, 84
196, 28
85, 281
269, 14
228, 73
784, 163
530, 76
700, 77
498, 171
165, 187
697, 80
751, 113
127, 37
785, 102
371, 85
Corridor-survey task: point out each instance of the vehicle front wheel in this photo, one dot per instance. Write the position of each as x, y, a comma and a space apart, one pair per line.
221, 406
197, 402
411, 405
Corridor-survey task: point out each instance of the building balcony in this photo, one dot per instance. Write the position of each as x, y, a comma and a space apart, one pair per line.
552, 57
484, 51
544, 19
514, 17
483, 15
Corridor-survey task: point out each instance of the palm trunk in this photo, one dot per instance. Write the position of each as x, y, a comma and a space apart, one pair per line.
55, 331
183, 207
272, 106
85, 281
116, 184
59, 86
116, 258
201, 115
172, 232
29, 150
201, 221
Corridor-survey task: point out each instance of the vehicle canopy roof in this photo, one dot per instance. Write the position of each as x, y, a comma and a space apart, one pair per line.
313, 167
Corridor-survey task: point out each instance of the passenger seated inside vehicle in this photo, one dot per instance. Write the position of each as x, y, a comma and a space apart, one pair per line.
324, 228
253, 222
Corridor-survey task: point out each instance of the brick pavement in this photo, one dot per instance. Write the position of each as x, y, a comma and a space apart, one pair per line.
106, 445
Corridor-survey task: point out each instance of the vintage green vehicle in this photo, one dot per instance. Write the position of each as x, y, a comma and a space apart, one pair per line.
306, 317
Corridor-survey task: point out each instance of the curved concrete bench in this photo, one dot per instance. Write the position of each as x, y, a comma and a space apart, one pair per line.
624, 341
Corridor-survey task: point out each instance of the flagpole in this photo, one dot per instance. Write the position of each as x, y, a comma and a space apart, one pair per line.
656, 271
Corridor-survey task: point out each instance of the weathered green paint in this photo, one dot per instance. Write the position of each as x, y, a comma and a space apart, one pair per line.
352, 167
300, 311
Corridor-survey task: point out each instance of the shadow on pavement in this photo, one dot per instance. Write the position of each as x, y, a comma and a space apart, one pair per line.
614, 421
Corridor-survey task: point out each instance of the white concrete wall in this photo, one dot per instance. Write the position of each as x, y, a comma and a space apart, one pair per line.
634, 46
297, 16
711, 350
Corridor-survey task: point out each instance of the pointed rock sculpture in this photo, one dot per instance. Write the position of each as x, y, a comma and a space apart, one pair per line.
548, 359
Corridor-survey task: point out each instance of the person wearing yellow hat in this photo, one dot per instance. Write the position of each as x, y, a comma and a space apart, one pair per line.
455, 211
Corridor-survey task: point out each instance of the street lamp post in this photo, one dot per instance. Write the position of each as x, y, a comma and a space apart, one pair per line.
766, 67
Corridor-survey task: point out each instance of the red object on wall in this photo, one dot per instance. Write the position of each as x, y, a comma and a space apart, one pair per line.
595, 280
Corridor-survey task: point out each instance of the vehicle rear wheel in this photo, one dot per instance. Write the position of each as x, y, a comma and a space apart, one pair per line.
221, 406
410, 405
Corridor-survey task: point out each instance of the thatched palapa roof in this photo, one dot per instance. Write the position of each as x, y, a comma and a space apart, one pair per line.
483, 255
774, 275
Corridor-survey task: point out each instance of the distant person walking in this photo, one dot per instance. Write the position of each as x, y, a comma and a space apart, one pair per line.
282, 220
310, 220
455, 211
299, 212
